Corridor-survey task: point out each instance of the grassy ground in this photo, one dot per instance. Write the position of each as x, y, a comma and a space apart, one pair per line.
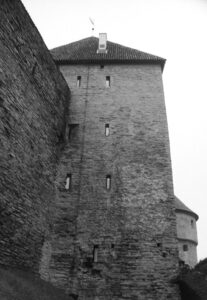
21, 285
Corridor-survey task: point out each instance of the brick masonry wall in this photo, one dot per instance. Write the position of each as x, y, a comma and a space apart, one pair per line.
118, 243
33, 106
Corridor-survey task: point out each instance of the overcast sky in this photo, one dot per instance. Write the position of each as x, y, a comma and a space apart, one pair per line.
173, 29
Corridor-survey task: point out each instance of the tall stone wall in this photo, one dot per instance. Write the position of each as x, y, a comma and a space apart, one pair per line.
33, 106
117, 243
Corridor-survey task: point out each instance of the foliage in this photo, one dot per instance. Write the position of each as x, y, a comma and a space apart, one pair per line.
193, 283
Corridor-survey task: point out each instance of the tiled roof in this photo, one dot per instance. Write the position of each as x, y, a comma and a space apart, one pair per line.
85, 51
180, 206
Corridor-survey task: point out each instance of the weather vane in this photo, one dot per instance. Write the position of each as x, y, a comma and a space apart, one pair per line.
93, 24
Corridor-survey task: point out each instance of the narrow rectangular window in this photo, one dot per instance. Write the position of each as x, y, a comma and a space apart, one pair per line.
106, 129
78, 81
113, 253
68, 181
108, 83
185, 248
95, 253
72, 131
108, 182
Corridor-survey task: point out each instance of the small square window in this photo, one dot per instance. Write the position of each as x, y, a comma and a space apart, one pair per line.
107, 130
108, 82
68, 182
108, 182
185, 248
102, 66
78, 81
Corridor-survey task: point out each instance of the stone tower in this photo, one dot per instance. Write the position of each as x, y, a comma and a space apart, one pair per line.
114, 234
187, 233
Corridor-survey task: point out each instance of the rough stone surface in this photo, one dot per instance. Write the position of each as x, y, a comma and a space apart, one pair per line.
33, 104
119, 243
97, 244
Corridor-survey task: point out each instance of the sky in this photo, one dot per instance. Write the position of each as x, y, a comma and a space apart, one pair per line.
173, 29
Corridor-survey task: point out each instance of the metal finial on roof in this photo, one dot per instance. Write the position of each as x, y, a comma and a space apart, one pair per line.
93, 24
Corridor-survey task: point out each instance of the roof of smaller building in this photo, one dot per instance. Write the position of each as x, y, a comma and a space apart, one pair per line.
180, 206
85, 51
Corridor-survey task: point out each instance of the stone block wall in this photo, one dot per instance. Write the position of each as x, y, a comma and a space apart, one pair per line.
33, 106
117, 243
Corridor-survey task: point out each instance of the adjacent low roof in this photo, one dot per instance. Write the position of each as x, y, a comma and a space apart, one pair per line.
85, 51
180, 206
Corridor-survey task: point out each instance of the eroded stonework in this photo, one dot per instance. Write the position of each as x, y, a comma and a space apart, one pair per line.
33, 107
96, 239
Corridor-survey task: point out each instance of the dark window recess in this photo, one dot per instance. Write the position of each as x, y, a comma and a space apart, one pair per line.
192, 223
72, 131
78, 81
108, 182
107, 130
95, 253
113, 250
74, 296
181, 262
102, 66
108, 81
68, 181
185, 248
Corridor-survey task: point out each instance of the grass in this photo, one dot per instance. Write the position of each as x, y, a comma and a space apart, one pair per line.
23, 285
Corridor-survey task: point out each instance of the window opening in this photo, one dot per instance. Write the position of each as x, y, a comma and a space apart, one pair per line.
113, 250
192, 223
95, 253
106, 129
181, 262
108, 182
72, 131
108, 83
102, 66
185, 248
78, 81
68, 182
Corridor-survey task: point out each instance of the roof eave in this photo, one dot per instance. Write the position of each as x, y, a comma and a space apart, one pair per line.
160, 62
191, 213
